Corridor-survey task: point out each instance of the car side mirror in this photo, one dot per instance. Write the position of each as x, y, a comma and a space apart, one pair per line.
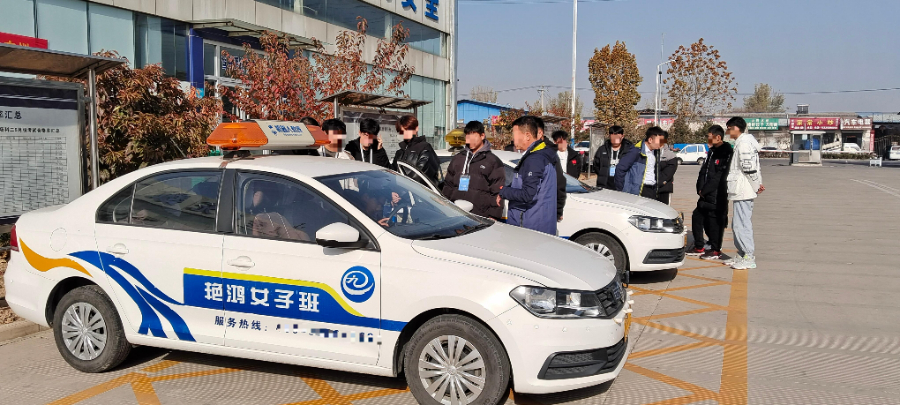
340, 236
464, 205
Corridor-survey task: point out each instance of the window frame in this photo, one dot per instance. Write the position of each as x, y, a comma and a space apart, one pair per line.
134, 184
235, 194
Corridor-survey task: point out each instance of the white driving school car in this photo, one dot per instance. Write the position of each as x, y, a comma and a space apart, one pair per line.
635, 233
317, 262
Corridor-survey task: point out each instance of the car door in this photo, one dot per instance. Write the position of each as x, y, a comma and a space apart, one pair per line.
152, 237
287, 294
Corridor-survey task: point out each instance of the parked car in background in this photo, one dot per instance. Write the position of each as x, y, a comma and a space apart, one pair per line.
894, 153
693, 153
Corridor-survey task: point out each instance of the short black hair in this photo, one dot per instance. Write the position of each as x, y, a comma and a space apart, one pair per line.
559, 134
335, 125
717, 130
655, 131
737, 122
369, 126
529, 124
474, 127
617, 130
309, 121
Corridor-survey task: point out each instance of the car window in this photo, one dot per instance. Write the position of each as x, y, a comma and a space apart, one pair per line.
180, 200
690, 149
278, 208
402, 206
117, 208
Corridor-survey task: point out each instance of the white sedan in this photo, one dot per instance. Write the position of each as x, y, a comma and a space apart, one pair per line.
636, 233
317, 262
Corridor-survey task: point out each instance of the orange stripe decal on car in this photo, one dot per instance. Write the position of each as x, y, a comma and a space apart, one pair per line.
43, 264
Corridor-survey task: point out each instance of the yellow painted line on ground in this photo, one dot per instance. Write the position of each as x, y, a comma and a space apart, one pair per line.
676, 297
162, 365
675, 314
734, 362
695, 389
668, 350
97, 389
691, 287
144, 392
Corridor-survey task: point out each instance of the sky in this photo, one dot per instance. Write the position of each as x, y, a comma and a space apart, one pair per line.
796, 46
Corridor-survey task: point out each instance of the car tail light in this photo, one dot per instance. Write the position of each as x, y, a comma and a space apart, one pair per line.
13, 240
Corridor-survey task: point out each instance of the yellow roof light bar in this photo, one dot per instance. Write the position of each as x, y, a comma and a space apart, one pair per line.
266, 135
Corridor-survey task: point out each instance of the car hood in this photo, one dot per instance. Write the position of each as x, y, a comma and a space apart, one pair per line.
639, 205
537, 257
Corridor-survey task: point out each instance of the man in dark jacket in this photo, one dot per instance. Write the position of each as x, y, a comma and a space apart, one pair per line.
638, 170
568, 158
668, 165
416, 151
607, 157
368, 147
533, 193
711, 214
476, 175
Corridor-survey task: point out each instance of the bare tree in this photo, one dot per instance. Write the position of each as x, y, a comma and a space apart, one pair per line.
615, 78
764, 100
484, 94
699, 82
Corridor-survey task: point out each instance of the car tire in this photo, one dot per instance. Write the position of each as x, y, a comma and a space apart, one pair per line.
679, 161
492, 371
607, 246
105, 346
700, 161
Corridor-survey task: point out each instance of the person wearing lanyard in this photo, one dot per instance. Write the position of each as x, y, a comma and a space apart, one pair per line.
336, 131
368, 147
607, 156
638, 170
477, 175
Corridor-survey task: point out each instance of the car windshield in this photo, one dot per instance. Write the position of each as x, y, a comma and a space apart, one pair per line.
573, 185
403, 207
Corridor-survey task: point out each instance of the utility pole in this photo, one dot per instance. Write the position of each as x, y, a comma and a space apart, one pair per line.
574, 42
542, 98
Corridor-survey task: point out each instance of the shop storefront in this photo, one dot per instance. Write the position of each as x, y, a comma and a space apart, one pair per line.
858, 131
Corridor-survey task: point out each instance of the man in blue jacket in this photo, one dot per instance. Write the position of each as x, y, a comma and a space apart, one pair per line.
638, 169
532, 195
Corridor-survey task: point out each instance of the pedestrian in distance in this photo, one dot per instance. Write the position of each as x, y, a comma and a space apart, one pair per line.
744, 185
337, 132
477, 175
568, 157
638, 170
711, 214
368, 147
607, 156
308, 121
532, 194
668, 165
415, 150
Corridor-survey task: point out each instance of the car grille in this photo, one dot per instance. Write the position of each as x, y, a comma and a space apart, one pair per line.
664, 256
584, 363
612, 298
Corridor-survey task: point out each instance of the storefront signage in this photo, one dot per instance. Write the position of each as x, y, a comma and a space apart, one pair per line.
22, 40
815, 124
431, 7
856, 124
762, 124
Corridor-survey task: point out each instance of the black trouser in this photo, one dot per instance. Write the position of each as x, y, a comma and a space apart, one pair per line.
711, 221
663, 198
648, 192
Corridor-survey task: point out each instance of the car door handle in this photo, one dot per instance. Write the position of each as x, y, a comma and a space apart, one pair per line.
242, 262
117, 249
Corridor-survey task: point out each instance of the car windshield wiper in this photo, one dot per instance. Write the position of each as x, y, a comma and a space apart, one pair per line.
475, 228
435, 237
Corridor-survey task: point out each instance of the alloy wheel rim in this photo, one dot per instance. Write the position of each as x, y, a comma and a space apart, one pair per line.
602, 249
452, 370
84, 331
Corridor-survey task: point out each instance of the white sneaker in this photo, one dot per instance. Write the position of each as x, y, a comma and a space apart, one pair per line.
734, 260
747, 262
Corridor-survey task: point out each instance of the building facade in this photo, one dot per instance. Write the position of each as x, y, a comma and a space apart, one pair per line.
187, 37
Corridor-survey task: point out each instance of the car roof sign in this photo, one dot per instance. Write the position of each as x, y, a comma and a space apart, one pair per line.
266, 135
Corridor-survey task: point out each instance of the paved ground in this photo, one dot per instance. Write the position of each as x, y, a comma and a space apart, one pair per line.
815, 323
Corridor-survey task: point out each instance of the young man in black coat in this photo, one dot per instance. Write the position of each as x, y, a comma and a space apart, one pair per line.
416, 151
607, 157
568, 157
368, 147
711, 214
668, 165
476, 175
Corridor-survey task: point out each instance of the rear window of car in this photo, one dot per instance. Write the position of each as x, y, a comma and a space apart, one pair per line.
897, 148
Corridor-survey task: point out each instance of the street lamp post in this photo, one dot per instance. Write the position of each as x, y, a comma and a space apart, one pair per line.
574, 37
658, 79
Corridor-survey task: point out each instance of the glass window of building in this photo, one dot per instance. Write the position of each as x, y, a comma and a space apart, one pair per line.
18, 17
64, 24
112, 29
162, 41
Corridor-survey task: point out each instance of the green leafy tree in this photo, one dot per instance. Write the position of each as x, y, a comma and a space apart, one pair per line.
764, 100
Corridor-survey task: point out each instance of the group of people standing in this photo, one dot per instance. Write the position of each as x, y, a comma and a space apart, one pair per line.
646, 168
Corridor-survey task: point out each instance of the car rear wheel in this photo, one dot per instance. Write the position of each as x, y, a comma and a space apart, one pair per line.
700, 161
606, 246
88, 331
452, 359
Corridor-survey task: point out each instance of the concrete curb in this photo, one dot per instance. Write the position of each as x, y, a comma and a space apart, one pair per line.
18, 329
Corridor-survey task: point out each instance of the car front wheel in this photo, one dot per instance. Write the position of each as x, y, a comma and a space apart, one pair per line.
452, 359
700, 161
679, 161
88, 331
606, 246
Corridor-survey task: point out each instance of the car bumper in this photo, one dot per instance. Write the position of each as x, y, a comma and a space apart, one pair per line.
533, 342
655, 251
26, 290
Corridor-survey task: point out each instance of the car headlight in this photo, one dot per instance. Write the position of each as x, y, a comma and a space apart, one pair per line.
567, 304
659, 225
